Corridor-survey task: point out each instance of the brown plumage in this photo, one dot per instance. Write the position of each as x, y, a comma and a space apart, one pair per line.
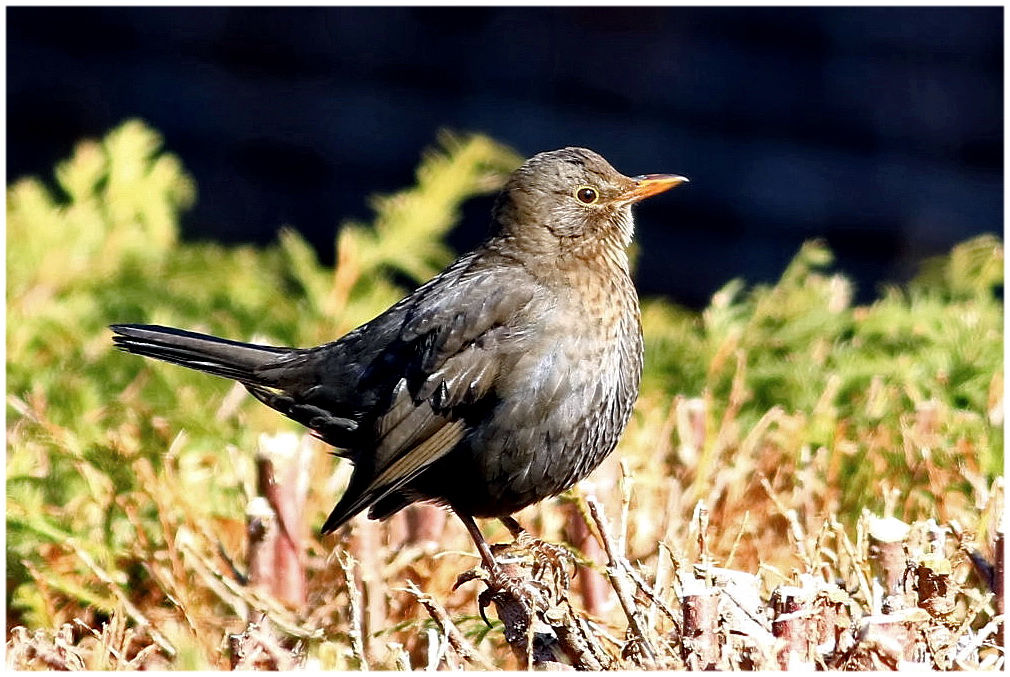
502, 381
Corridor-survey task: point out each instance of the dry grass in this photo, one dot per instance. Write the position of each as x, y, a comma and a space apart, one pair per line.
380, 596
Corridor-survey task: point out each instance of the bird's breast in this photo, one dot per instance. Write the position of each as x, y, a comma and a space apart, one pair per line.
573, 385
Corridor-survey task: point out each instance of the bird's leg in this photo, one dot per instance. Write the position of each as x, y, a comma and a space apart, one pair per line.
513, 526
506, 584
478, 538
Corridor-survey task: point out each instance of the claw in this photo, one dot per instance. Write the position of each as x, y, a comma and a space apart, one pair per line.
472, 574
483, 602
549, 556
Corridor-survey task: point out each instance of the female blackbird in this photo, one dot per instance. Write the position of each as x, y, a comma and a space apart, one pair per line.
502, 381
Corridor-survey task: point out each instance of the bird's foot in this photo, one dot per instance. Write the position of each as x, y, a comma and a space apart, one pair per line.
510, 585
548, 557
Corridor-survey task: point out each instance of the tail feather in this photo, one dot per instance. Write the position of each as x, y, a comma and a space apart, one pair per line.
221, 357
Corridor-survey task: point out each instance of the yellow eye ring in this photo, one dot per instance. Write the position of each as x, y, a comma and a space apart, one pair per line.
587, 195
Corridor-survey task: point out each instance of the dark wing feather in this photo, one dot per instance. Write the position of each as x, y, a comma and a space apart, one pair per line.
448, 356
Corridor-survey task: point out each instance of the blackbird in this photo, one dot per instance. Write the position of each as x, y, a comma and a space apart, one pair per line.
502, 381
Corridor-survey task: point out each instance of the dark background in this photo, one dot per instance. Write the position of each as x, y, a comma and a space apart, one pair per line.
878, 129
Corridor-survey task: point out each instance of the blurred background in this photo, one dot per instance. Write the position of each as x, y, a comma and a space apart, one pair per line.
878, 129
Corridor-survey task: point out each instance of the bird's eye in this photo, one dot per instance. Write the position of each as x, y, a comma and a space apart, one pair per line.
587, 195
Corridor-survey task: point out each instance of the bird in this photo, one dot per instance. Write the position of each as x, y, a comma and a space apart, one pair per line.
501, 382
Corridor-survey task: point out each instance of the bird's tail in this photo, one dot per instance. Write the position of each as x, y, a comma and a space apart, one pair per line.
221, 357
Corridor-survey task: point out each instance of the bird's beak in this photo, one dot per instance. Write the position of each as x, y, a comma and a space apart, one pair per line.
648, 185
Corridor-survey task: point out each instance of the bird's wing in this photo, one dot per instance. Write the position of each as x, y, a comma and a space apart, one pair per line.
464, 337
454, 341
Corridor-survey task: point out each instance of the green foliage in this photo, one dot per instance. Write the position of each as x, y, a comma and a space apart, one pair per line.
852, 371
115, 200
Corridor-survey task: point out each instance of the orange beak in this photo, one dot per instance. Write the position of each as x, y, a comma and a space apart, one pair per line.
648, 185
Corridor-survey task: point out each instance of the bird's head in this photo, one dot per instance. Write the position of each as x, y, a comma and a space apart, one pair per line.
572, 202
